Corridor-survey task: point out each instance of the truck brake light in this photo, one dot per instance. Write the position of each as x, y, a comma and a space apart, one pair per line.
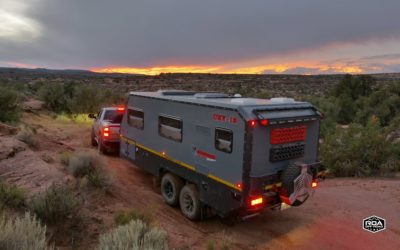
106, 132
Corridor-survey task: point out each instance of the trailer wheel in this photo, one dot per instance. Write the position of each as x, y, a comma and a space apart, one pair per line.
93, 139
171, 186
190, 202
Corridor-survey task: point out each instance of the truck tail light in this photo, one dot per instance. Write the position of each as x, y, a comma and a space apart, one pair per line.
256, 201
121, 109
106, 132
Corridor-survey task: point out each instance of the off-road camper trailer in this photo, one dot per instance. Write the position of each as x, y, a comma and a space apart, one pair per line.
234, 155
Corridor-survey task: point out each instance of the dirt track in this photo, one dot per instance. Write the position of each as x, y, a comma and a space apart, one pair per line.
331, 219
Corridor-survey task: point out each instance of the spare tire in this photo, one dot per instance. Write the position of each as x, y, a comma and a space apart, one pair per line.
296, 184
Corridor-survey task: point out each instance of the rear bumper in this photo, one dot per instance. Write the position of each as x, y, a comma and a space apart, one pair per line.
111, 145
269, 188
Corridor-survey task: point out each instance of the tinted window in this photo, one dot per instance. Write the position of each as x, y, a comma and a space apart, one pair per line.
224, 140
136, 118
170, 127
113, 116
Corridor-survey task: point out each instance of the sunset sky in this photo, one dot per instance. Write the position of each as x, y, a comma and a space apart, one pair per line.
211, 36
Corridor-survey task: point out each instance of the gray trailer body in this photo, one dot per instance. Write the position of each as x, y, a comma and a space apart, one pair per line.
231, 148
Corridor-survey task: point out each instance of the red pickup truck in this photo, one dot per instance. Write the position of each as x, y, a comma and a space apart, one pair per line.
106, 129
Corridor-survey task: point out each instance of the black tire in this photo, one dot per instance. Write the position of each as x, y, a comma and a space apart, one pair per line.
190, 202
288, 177
171, 186
100, 148
93, 139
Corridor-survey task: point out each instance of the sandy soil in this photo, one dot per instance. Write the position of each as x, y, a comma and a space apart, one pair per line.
331, 219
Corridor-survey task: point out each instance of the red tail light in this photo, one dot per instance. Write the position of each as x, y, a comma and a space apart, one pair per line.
121, 109
256, 201
314, 184
106, 132
264, 122
252, 123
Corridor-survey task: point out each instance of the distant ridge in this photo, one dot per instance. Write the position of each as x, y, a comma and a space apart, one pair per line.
40, 71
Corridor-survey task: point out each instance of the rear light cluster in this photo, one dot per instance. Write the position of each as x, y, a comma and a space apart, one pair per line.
256, 201
286, 135
106, 132
262, 122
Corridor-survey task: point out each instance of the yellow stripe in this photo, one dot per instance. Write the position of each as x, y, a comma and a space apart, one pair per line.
223, 182
180, 163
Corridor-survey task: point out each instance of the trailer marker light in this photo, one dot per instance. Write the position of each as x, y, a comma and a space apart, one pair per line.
257, 201
252, 123
314, 184
264, 122
163, 153
239, 185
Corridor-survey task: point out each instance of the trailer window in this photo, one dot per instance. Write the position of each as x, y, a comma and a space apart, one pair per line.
170, 128
224, 140
136, 118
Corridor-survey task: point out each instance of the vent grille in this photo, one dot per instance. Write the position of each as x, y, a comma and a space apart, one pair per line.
287, 135
286, 152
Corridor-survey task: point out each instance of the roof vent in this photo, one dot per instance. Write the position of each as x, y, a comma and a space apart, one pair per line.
282, 100
176, 92
211, 95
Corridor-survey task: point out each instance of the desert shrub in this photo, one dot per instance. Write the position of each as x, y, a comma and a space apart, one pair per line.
383, 103
11, 195
92, 167
9, 105
135, 235
56, 204
22, 233
28, 137
53, 97
65, 158
360, 151
124, 217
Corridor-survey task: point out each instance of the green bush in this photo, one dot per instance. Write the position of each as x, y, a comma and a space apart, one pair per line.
25, 233
11, 196
56, 204
92, 167
360, 151
53, 97
9, 105
135, 235
124, 217
65, 158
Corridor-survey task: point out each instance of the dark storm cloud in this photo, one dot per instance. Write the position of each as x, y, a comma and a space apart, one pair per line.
95, 33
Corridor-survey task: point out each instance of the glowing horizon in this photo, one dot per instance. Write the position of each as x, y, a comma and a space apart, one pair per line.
262, 69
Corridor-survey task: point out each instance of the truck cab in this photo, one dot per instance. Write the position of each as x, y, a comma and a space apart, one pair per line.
106, 129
